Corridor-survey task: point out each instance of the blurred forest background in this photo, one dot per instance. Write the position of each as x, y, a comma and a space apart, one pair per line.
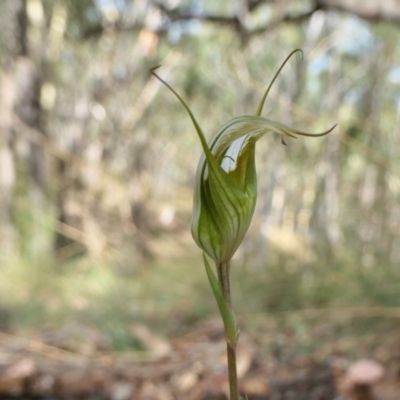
97, 163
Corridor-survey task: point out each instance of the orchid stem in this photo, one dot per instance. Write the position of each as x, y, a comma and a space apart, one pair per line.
224, 281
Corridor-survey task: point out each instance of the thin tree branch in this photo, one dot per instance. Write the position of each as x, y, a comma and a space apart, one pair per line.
178, 14
253, 4
370, 10
284, 19
234, 21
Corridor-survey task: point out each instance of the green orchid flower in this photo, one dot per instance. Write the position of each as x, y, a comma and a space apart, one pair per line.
226, 182
224, 200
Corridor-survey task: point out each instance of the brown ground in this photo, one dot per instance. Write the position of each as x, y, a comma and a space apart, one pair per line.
190, 367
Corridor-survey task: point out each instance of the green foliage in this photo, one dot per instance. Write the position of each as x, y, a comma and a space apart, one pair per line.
282, 292
84, 18
114, 142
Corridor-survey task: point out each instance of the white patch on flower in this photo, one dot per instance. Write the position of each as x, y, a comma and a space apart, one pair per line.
229, 162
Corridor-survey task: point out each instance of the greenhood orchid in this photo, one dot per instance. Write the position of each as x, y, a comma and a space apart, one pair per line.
225, 196
226, 182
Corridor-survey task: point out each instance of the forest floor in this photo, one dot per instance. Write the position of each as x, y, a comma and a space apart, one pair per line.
191, 366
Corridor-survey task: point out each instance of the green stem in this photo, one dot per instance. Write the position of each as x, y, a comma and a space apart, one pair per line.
224, 281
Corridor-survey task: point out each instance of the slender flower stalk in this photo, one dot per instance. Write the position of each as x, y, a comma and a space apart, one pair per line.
225, 196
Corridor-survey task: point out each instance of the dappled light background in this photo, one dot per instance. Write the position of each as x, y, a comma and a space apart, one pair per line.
97, 164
